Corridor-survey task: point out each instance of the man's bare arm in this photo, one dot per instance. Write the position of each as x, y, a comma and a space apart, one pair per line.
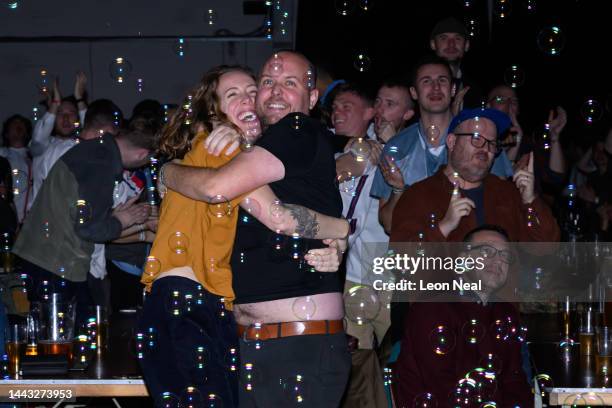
244, 173
292, 219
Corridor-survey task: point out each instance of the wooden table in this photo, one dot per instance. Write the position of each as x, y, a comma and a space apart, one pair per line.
571, 373
112, 373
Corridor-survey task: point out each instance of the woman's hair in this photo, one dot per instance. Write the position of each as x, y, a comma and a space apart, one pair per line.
7, 123
202, 107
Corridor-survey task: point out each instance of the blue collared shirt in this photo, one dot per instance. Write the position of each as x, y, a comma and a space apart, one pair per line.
417, 160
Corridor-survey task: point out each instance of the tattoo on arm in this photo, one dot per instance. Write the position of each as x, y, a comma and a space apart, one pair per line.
307, 224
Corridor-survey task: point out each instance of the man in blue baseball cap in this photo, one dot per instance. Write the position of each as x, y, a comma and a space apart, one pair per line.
464, 194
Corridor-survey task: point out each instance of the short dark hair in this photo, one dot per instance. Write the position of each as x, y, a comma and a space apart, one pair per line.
102, 112
398, 81
149, 111
26, 122
486, 227
353, 88
139, 136
429, 59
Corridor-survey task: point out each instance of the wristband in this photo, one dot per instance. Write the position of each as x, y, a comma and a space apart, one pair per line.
397, 190
141, 236
140, 227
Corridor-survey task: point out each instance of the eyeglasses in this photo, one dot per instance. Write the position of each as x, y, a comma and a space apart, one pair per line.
487, 251
479, 140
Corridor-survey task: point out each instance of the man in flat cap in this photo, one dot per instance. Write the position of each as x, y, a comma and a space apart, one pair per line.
450, 40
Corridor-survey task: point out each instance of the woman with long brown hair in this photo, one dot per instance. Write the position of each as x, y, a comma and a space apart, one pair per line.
188, 311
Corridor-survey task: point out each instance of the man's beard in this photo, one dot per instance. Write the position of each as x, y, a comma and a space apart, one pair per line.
467, 171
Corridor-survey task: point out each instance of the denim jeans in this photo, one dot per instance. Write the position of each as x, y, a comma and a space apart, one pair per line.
188, 339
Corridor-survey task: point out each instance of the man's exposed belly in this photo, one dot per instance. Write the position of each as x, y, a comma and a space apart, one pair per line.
329, 306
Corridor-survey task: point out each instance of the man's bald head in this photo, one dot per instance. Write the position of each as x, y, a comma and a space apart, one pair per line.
286, 84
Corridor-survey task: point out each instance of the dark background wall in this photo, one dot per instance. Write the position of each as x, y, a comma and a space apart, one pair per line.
395, 33
64, 36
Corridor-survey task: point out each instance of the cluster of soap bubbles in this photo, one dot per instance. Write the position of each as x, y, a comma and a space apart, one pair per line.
145, 342
191, 397
508, 330
348, 7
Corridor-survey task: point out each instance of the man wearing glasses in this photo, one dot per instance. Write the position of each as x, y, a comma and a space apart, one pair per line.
427, 366
464, 195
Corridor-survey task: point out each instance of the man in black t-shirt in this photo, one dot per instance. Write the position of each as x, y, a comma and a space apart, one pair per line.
293, 347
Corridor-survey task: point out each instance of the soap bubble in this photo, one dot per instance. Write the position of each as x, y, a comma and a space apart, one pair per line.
152, 266
551, 40
442, 339
426, 400
180, 47
359, 149
251, 206
501, 8
220, 206
120, 69
211, 17
362, 62
295, 389
344, 7
544, 381
473, 331
491, 362
591, 111
21, 181
178, 240
304, 308
191, 397
514, 76
83, 212
361, 304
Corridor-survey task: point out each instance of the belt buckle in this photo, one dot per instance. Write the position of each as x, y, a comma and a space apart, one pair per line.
257, 326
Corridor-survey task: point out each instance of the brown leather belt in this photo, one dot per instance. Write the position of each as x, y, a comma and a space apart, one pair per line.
267, 331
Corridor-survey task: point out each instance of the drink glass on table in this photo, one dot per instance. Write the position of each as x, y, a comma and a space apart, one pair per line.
604, 350
59, 318
586, 329
15, 344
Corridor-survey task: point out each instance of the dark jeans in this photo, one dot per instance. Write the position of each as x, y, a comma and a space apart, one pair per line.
300, 371
194, 343
125, 288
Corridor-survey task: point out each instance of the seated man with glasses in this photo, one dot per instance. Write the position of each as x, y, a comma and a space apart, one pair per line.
468, 350
464, 195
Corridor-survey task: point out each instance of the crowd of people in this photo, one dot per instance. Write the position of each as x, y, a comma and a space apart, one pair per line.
253, 214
